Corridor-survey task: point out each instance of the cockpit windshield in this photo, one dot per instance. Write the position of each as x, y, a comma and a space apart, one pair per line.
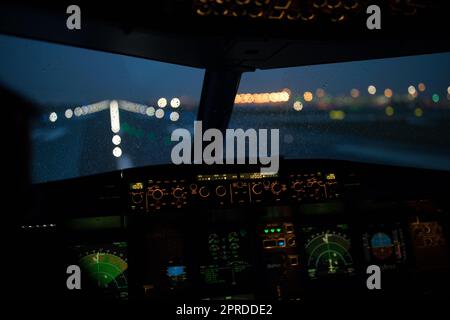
98, 111
391, 111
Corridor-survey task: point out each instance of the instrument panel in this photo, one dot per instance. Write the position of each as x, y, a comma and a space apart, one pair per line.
247, 235
231, 190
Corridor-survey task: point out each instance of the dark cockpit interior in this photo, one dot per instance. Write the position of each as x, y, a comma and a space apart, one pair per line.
355, 175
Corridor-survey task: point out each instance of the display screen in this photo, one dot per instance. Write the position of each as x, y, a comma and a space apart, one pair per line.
105, 268
429, 244
227, 262
328, 251
384, 246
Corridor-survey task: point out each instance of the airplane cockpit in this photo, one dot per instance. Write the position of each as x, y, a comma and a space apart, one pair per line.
204, 150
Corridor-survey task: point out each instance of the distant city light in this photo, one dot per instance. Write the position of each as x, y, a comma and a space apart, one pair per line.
117, 152
354, 93
175, 103
388, 93
422, 87
337, 115
262, 98
159, 113
308, 96
436, 98
389, 111
174, 116
150, 111
116, 139
372, 89
68, 114
162, 102
53, 117
418, 112
412, 90
448, 90
114, 114
320, 93
298, 106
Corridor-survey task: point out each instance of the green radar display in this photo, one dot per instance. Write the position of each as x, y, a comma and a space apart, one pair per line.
105, 267
328, 251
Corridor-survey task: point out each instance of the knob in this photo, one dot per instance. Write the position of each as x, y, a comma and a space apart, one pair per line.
177, 193
257, 188
291, 241
204, 192
157, 194
221, 191
137, 198
276, 188
298, 186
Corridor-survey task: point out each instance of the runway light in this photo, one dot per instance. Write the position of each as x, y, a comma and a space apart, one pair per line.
435, 98
448, 90
174, 116
53, 117
68, 114
117, 152
150, 111
418, 112
372, 89
162, 102
308, 96
422, 87
298, 106
412, 90
85, 110
389, 111
116, 139
78, 111
114, 114
159, 113
175, 103
388, 93
354, 93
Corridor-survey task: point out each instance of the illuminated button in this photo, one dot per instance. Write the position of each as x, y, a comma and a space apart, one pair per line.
281, 243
